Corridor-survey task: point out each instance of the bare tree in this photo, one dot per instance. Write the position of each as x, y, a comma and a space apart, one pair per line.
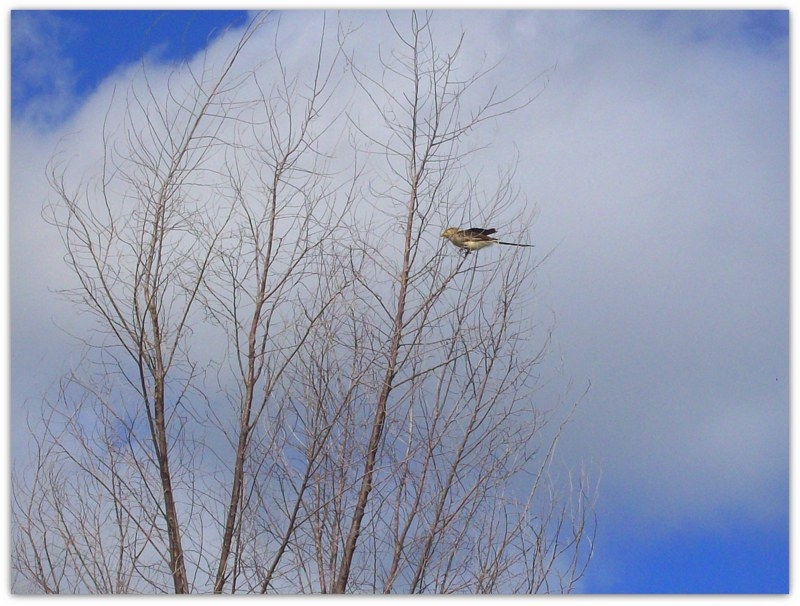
261, 296
140, 241
368, 417
454, 428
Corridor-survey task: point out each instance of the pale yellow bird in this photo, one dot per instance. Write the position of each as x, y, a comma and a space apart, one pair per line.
474, 238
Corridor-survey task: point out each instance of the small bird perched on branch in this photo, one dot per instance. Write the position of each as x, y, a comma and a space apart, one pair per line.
474, 238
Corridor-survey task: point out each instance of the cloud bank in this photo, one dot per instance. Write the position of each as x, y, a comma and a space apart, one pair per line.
657, 157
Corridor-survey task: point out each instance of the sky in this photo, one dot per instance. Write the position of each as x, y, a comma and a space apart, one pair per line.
658, 158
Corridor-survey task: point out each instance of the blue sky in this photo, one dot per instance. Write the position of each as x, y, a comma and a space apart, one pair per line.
91, 44
659, 158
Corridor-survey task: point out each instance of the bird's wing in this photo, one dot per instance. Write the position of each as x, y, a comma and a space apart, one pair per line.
479, 231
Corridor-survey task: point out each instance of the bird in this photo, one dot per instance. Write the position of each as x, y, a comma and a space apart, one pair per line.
474, 238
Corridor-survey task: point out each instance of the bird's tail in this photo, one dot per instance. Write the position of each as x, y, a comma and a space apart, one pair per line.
515, 244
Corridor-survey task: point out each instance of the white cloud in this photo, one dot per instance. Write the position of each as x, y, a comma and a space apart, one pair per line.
661, 161
658, 158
